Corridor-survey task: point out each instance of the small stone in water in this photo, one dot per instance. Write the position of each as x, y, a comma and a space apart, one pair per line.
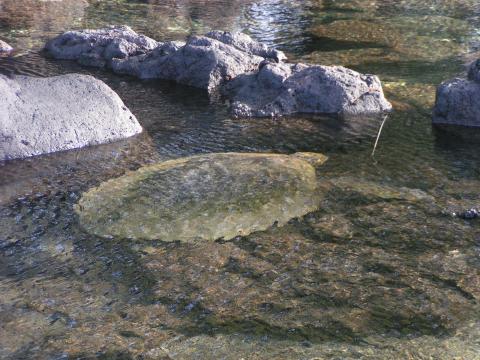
470, 214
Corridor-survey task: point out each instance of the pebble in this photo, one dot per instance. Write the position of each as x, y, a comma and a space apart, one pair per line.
470, 214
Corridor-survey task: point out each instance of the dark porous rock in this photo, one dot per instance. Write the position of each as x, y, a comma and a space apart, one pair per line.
245, 43
457, 103
469, 214
474, 71
5, 48
202, 62
284, 89
151, 65
251, 75
44, 115
98, 47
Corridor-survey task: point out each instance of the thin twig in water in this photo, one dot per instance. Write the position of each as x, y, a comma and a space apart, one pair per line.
379, 133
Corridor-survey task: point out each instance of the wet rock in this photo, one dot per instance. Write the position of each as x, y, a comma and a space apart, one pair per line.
315, 159
474, 71
151, 65
469, 214
98, 47
32, 122
284, 89
336, 225
202, 62
251, 75
373, 190
203, 197
5, 48
245, 43
456, 103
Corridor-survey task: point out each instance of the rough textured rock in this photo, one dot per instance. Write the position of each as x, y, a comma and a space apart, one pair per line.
456, 100
44, 115
245, 43
5, 48
202, 197
98, 47
202, 62
283, 89
474, 71
457, 103
251, 75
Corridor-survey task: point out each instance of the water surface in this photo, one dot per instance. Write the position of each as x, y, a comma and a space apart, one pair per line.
375, 273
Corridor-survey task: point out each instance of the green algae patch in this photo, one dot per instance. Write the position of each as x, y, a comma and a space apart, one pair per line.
203, 197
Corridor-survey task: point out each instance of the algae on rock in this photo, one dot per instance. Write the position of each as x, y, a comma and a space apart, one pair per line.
203, 197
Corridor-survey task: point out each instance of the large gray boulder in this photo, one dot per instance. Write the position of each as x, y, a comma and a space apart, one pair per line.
457, 100
204, 197
44, 115
283, 89
5, 48
98, 47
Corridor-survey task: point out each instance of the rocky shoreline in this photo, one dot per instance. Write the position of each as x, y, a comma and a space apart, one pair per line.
254, 78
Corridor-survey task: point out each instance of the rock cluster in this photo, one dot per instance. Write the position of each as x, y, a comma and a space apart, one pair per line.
251, 75
457, 100
44, 115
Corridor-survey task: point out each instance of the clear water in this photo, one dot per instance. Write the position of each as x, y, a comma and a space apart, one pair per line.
373, 274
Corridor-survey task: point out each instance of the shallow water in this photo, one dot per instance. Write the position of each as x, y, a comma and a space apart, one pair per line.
381, 271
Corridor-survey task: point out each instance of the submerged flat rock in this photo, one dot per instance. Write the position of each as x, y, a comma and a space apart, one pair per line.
205, 197
373, 190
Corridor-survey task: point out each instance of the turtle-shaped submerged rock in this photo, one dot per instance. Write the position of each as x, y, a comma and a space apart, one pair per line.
205, 197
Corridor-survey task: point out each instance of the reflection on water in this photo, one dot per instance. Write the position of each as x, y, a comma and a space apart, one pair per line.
377, 272
26, 23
